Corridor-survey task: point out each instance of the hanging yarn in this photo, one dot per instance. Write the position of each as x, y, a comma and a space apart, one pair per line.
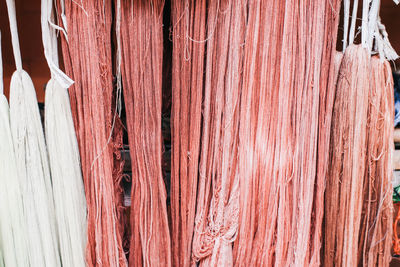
69, 195
377, 216
276, 169
358, 205
217, 208
88, 61
13, 245
288, 59
258, 118
32, 163
329, 71
215, 176
189, 35
358, 208
343, 197
33, 170
142, 50
1, 256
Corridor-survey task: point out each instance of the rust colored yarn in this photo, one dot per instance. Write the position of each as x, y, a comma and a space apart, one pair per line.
377, 212
142, 51
280, 206
188, 24
206, 88
329, 72
358, 207
217, 209
87, 59
343, 197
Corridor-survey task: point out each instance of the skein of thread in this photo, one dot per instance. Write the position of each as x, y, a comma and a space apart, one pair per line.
377, 213
33, 168
329, 72
69, 194
12, 218
1, 256
32, 162
189, 22
281, 211
88, 61
217, 207
142, 51
345, 178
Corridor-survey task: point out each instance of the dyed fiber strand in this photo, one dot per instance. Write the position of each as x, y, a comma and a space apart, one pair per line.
256, 112
329, 73
358, 228
142, 50
304, 169
13, 246
217, 209
32, 163
377, 216
88, 61
188, 33
324, 142
279, 130
69, 195
347, 160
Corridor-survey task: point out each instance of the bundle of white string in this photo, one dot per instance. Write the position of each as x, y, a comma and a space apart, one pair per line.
34, 172
69, 195
12, 220
32, 162
1, 255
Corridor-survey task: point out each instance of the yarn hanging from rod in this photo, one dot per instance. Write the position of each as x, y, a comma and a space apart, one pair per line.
288, 60
347, 160
69, 195
13, 247
217, 208
330, 65
87, 56
32, 162
141, 67
377, 215
188, 24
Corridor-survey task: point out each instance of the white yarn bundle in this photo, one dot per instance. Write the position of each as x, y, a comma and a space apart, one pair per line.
12, 220
1, 255
32, 162
33, 168
69, 195
1, 258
